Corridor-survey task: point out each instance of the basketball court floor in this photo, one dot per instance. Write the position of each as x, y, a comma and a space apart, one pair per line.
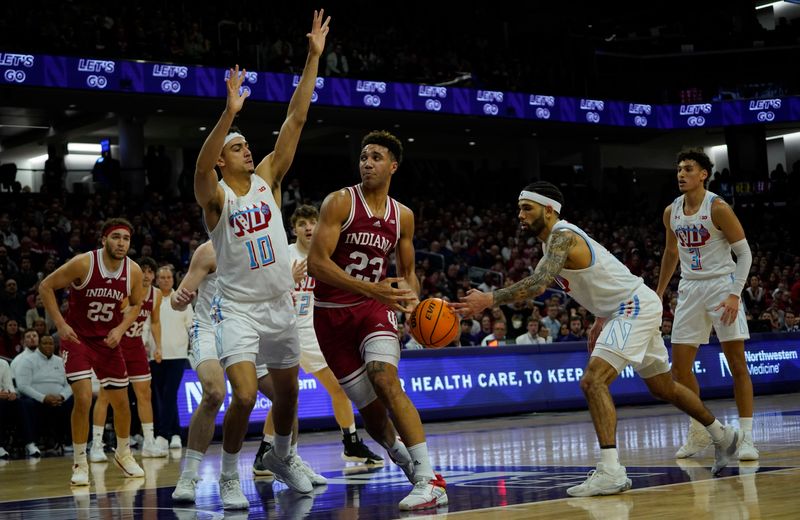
509, 467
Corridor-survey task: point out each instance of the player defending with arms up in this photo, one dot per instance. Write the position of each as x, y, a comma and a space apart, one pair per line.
254, 314
701, 230
354, 311
99, 283
625, 331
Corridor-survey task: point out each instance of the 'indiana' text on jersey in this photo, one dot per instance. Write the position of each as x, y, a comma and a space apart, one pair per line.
250, 220
369, 239
692, 236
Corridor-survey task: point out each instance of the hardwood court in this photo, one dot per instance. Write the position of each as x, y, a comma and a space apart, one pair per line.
510, 468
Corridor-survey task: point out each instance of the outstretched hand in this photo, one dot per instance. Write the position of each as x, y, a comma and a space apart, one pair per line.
236, 95
319, 31
474, 302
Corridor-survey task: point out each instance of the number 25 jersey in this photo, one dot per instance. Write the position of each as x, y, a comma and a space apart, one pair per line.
365, 245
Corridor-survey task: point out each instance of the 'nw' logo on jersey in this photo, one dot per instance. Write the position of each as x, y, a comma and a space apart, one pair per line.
692, 236
250, 220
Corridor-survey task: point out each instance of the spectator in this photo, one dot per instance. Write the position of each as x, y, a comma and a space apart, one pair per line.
563, 333
45, 396
466, 338
167, 374
576, 332
8, 403
30, 343
8, 238
336, 62
551, 320
544, 333
485, 330
38, 312
666, 328
10, 340
7, 265
791, 322
498, 336
13, 303
26, 277
531, 337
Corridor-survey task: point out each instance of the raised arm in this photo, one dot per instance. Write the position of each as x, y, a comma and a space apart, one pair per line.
74, 271
203, 262
274, 166
559, 245
669, 260
334, 211
207, 191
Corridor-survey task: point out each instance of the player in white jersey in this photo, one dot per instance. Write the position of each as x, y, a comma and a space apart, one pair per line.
304, 221
625, 331
701, 231
200, 282
252, 309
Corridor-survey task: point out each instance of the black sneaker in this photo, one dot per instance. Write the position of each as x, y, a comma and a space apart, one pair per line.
356, 451
258, 466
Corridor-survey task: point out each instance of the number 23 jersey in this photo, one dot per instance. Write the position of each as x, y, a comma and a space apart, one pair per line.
363, 250
250, 242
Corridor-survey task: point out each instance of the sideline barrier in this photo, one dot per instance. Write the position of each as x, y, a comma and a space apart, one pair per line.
457, 383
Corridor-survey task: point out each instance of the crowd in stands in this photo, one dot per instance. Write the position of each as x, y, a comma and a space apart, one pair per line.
508, 49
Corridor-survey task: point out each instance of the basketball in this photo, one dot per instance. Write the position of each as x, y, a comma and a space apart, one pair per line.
433, 324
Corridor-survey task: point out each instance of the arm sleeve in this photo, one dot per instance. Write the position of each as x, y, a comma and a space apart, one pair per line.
743, 261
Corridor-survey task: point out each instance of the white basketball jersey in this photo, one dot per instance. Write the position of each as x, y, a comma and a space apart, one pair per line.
205, 293
251, 246
703, 250
602, 286
303, 294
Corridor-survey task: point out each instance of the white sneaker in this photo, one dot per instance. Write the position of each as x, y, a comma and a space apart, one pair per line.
175, 443
80, 475
699, 439
747, 451
128, 465
230, 491
315, 478
153, 450
602, 482
97, 453
290, 471
725, 450
185, 490
32, 450
426, 494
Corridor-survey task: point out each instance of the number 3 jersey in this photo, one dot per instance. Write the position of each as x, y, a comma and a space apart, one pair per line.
703, 250
250, 242
94, 305
133, 336
365, 244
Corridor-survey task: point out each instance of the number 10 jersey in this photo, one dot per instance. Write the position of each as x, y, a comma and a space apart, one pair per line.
365, 245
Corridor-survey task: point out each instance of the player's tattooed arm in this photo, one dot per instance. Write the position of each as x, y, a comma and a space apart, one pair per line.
558, 247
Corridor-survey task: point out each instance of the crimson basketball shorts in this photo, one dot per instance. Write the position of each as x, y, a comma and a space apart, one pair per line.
351, 336
83, 357
136, 362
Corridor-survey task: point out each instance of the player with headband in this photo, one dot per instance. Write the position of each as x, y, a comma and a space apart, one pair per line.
625, 331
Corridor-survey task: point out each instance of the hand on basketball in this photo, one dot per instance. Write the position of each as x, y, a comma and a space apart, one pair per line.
397, 299
66, 333
474, 302
112, 340
299, 270
730, 306
234, 82
319, 31
182, 298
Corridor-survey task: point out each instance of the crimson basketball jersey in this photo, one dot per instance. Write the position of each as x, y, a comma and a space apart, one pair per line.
94, 305
365, 244
133, 336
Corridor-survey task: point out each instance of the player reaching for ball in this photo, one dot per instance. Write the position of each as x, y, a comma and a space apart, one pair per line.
625, 331
433, 323
355, 304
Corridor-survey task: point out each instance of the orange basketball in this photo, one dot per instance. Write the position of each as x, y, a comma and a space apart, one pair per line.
433, 324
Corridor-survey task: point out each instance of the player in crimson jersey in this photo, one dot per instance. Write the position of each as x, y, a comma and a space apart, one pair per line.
135, 355
355, 304
99, 281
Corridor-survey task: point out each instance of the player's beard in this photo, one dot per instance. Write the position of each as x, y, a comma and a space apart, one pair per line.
113, 254
535, 227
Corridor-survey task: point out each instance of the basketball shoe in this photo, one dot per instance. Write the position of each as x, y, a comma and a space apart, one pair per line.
259, 469
426, 494
699, 439
601, 481
725, 449
356, 451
